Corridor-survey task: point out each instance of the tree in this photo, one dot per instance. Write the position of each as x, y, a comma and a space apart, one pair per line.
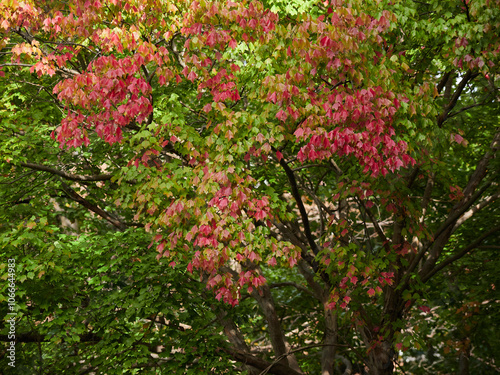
322, 162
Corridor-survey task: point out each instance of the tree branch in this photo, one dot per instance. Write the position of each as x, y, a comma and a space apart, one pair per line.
452, 218
300, 205
443, 81
68, 176
280, 346
276, 368
92, 207
476, 208
36, 337
459, 255
469, 76
377, 227
470, 196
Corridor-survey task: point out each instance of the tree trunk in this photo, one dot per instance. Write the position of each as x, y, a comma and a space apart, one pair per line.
236, 339
464, 358
266, 302
380, 359
330, 340
463, 363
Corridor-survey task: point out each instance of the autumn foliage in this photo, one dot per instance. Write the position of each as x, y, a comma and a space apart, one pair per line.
264, 138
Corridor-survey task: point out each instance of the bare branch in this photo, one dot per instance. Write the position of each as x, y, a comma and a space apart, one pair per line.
457, 213
18, 178
467, 108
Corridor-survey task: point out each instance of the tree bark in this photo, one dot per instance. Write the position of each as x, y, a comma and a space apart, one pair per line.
330, 340
270, 368
235, 337
380, 359
463, 362
266, 302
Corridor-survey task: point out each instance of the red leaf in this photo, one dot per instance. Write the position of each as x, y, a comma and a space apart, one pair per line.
207, 108
272, 97
192, 76
425, 309
272, 261
282, 115
160, 247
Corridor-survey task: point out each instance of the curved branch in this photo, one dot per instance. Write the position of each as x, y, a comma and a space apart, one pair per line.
292, 351
460, 254
441, 236
92, 207
469, 76
377, 227
475, 209
269, 368
446, 226
67, 176
300, 205
455, 216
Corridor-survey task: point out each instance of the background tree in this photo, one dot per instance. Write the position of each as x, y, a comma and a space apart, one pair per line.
324, 168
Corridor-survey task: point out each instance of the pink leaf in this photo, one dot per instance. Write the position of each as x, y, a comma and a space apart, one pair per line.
260, 137
272, 97
160, 247
192, 76
282, 115
252, 256
425, 309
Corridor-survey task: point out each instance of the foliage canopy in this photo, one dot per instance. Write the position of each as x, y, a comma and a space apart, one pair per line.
319, 181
